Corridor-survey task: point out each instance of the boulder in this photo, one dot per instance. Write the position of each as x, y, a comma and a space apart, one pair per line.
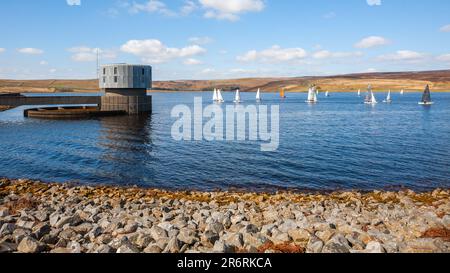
30, 245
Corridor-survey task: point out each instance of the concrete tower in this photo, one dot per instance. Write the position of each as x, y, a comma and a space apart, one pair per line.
125, 88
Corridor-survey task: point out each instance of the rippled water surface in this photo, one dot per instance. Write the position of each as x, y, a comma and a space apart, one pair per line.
339, 143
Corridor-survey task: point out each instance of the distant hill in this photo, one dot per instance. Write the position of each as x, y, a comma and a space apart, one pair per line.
438, 80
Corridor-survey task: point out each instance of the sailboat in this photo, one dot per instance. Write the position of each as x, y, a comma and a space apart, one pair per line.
237, 98
370, 97
258, 95
282, 93
359, 93
312, 95
219, 96
402, 92
215, 97
327, 94
426, 98
388, 98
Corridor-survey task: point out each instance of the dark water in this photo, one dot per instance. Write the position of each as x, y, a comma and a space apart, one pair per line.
339, 143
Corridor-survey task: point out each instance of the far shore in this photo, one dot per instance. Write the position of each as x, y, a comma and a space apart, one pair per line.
38, 217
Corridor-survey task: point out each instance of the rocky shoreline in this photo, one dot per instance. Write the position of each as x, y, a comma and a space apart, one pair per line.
62, 218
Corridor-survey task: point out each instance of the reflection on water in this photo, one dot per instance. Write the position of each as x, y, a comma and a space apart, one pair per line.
338, 143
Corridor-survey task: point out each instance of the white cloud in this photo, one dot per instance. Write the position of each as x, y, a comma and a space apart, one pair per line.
208, 71
157, 6
372, 41
445, 28
192, 61
151, 6
273, 55
73, 2
374, 2
444, 58
200, 40
31, 51
330, 15
370, 70
2, 50
325, 54
230, 9
403, 55
188, 7
43, 63
52, 71
154, 51
87, 54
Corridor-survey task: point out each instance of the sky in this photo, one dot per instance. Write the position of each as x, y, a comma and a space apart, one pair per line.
216, 39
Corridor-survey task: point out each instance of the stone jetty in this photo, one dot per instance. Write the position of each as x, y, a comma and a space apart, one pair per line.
40, 217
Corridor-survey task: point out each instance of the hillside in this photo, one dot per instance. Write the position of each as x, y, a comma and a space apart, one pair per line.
438, 80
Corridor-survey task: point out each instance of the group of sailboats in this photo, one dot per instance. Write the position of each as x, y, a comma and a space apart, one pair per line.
371, 99
217, 97
313, 93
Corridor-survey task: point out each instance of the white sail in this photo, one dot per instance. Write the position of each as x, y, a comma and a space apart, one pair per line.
402, 92
219, 96
258, 95
388, 98
312, 95
370, 97
215, 97
237, 98
374, 100
359, 93
327, 94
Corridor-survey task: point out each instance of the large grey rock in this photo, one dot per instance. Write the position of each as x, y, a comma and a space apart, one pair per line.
127, 248
315, 245
40, 230
30, 245
7, 229
72, 220
333, 247
25, 224
215, 227
104, 249
188, 236
173, 246
222, 247
6, 247
74, 247
152, 248
299, 235
158, 233
234, 239
287, 226
209, 238
374, 247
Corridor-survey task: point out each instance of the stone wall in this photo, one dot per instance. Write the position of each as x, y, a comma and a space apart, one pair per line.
132, 105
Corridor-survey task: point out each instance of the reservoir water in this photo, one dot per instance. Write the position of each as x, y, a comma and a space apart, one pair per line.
339, 143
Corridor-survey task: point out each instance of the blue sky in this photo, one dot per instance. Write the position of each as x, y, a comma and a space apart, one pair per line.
212, 39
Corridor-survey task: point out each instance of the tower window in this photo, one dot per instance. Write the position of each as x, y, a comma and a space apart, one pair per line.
104, 71
116, 79
104, 79
115, 70
143, 71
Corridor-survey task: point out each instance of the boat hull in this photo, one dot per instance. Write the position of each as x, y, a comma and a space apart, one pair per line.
426, 103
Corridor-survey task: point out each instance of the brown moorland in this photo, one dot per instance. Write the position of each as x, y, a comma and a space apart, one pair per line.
439, 81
